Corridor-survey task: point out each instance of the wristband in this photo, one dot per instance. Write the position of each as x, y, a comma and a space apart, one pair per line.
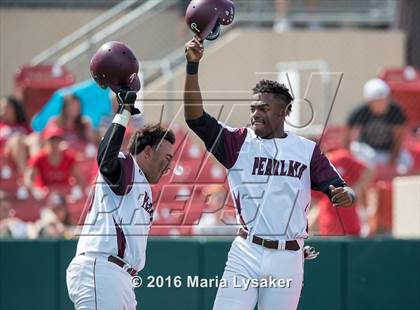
192, 68
122, 118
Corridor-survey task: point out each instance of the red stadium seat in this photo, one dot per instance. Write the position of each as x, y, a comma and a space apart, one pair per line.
38, 83
212, 172
184, 172
405, 89
332, 138
28, 209
384, 208
88, 168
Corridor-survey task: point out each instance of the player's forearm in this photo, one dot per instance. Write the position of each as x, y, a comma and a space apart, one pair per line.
193, 102
110, 146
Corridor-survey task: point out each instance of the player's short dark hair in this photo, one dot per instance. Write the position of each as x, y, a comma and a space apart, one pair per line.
149, 135
276, 88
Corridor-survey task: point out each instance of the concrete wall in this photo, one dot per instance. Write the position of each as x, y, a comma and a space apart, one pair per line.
236, 62
26, 32
406, 202
232, 65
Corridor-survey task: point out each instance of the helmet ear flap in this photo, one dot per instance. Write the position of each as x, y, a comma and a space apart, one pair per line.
215, 32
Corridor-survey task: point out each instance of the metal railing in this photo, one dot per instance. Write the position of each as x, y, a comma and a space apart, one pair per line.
76, 46
82, 32
364, 12
146, 10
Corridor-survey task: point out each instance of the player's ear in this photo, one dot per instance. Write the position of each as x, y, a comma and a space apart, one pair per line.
282, 113
148, 151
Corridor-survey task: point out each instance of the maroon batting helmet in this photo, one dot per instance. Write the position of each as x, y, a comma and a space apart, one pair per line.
204, 17
114, 65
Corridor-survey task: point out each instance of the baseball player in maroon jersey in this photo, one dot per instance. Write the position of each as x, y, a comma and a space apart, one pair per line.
271, 173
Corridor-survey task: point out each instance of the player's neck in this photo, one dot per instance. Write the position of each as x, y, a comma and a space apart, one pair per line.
144, 165
278, 134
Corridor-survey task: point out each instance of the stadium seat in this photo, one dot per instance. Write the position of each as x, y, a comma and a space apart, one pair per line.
28, 209
212, 172
38, 83
405, 89
332, 138
381, 220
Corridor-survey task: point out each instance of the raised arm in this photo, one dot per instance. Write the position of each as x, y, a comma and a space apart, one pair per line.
110, 146
193, 103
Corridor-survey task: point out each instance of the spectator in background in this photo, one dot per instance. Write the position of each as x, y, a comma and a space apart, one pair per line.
11, 227
106, 120
53, 167
13, 131
282, 22
77, 128
55, 218
344, 221
381, 124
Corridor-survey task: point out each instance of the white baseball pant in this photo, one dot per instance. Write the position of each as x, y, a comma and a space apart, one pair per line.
246, 261
94, 283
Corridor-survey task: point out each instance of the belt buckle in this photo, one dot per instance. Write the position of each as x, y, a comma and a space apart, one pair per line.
263, 243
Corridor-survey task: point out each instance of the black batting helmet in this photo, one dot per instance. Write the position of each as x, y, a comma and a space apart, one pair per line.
114, 65
204, 17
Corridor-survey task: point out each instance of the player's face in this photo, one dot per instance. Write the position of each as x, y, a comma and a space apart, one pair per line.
161, 161
267, 115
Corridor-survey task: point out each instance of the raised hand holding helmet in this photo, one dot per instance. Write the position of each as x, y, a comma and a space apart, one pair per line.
204, 17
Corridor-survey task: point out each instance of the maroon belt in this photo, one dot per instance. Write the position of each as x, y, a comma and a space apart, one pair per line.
292, 245
117, 261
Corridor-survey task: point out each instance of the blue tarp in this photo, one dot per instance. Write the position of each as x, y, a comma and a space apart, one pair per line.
95, 103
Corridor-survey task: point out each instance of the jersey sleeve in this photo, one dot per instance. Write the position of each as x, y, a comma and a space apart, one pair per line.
323, 173
126, 178
222, 141
108, 151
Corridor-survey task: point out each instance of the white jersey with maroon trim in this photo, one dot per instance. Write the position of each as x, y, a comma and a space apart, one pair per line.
270, 179
271, 185
118, 222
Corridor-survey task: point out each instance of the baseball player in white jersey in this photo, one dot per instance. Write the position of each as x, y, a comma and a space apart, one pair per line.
271, 174
112, 246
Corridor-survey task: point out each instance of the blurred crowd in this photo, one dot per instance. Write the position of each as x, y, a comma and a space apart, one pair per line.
46, 176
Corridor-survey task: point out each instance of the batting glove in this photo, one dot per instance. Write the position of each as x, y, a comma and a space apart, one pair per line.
309, 252
126, 99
